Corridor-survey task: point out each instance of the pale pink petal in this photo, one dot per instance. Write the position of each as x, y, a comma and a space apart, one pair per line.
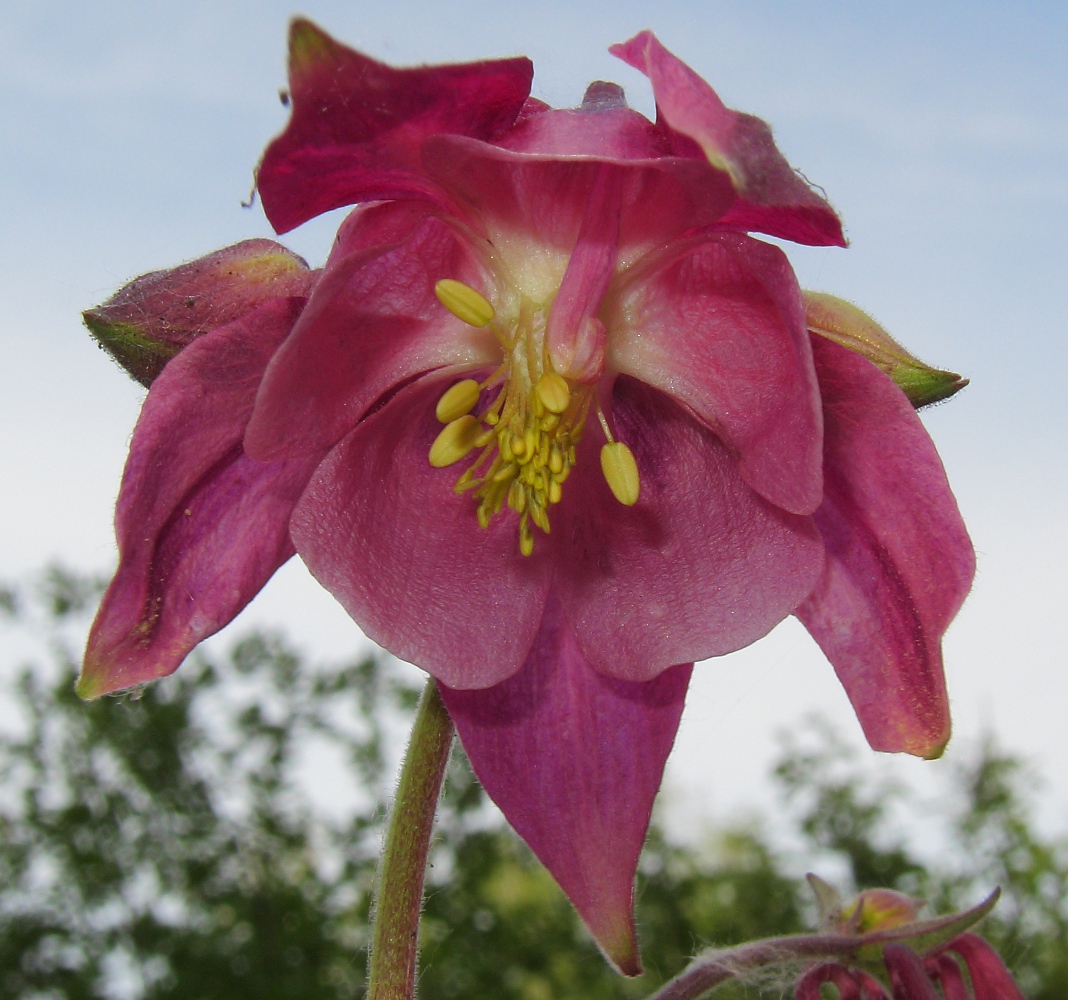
700, 566
574, 760
542, 198
385, 533
990, 979
372, 322
149, 320
772, 197
201, 527
899, 561
718, 322
357, 124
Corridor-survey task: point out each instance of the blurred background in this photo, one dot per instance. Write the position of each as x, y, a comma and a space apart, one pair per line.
939, 131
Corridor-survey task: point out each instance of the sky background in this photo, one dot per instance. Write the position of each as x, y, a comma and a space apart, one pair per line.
939, 131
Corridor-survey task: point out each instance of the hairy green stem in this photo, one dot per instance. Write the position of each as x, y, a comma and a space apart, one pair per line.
399, 899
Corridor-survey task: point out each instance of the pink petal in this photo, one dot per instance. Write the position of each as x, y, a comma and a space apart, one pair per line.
151, 319
700, 566
357, 124
899, 561
372, 323
200, 526
772, 196
718, 322
574, 760
907, 975
990, 979
543, 198
387, 536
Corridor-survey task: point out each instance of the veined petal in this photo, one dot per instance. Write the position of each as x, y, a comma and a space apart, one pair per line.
574, 760
718, 322
908, 977
201, 527
148, 321
387, 535
373, 322
540, 199
772, 196
357, 124
947, 972
701, 565
899, 561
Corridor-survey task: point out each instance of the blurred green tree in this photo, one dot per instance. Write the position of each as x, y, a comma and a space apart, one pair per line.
169, 845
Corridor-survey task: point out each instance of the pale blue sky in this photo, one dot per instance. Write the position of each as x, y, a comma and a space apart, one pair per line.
939, 130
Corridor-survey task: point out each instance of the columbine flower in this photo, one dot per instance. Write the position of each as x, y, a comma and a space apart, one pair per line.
551, 425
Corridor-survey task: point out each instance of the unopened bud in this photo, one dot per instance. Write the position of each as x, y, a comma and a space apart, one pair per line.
849, 326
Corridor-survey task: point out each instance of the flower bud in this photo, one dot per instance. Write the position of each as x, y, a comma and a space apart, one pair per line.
148, 321
847, 325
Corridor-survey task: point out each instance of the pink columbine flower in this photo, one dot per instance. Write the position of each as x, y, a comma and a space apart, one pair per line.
549, 424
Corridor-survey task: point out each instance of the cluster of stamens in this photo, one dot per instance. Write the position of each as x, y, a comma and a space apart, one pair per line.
526, 436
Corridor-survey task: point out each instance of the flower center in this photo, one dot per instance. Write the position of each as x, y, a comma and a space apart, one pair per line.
525, 438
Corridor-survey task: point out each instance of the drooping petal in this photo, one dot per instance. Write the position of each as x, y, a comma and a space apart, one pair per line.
700, 566
772, 196
574, 760
357, 124
718, 322
201, 527
541, 198
908, 977
386, 534
372, 322
990, 979
899, 561
148, 321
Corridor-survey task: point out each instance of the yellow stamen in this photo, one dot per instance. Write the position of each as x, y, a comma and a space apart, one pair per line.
458, 400
553, 392
455, 441
621, 472
464, 302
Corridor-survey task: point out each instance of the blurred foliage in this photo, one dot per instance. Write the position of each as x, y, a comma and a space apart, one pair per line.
172, 844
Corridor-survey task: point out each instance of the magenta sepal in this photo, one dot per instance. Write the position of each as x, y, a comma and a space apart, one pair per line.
201, 527
574, 760
899, 560
990, 979
357, 124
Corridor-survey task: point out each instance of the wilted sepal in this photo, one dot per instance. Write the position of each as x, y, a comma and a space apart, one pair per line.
148, 321
845, 324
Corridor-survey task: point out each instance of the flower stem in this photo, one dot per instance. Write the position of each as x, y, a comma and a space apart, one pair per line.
399, 900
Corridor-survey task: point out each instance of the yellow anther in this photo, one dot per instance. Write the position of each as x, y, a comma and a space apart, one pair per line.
456, 439
530, 442
556, 460
555, 492
526, 537
503, 474
621, 472
464, 302
553, 392
518, 445
458, 400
